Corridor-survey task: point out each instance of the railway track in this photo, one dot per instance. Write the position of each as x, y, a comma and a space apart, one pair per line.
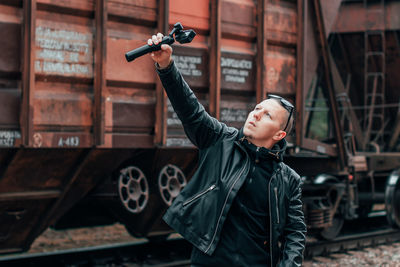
176, 252
352, 242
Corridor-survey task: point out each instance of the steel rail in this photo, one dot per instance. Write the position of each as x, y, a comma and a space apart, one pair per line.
171, 252
352, 242
176, 252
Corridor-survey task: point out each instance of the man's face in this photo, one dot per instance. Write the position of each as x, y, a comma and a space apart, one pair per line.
264, 123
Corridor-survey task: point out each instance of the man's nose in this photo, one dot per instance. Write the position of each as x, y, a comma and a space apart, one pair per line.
257, 114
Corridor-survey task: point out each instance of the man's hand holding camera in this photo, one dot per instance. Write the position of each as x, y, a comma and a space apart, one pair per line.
162, 57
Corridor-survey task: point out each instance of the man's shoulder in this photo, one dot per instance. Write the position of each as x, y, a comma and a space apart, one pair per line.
230, 135
289, 172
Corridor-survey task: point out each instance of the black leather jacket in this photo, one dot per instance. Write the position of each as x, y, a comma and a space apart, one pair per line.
200, 210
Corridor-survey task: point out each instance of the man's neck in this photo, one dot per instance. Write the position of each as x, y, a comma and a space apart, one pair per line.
267, 144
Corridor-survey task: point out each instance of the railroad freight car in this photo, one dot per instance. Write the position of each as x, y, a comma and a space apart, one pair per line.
87, 138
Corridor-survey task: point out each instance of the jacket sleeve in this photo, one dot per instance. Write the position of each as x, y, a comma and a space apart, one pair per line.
295, 228
201, 129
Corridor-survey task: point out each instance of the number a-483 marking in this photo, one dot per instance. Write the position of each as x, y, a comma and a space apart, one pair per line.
72, 141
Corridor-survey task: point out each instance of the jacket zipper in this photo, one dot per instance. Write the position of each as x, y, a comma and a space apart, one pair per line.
270, 223
198, 195
254, 165
226, 199
277, 208
270, 217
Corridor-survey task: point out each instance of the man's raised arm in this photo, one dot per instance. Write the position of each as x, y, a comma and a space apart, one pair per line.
202, 129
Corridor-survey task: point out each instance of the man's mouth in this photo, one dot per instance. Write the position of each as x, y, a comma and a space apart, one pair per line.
252, 123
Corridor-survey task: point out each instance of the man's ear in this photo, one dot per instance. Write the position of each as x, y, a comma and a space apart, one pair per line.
279, 135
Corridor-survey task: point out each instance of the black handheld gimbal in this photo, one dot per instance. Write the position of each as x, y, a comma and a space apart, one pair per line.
181, 36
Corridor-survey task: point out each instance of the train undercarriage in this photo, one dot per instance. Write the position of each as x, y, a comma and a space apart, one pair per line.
137, 196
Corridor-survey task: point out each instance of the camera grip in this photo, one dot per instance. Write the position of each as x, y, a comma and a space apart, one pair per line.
140, 51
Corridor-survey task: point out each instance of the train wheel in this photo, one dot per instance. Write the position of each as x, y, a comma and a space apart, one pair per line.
171, 181
334, 194
133, 189
330, 232
392, 199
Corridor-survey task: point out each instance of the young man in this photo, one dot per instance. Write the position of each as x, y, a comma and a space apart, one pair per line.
243, 205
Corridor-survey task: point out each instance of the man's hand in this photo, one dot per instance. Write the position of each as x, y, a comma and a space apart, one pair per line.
164, 56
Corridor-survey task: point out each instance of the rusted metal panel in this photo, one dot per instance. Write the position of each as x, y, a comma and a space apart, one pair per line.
262, 46
99, 84
320, 147
195, 14
238, 71
18, 179
135, 12
11, 27
10, 106
66, 140
52, 190
28, 77
193, 61
193, 64
280, 54
238, 66
300, 97
127, 115
66, 189
382, 161
63, 98
133, 103
62, 104
282, 23
15, 216
160, 130
176, 136
66, 48
63, 50
234, 109
281, 70
215, 58
133, 118
238, 20
78, 7
122, 37
238, 97
353, 17
64, 108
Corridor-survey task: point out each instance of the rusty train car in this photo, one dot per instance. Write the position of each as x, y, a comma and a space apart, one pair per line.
87, 138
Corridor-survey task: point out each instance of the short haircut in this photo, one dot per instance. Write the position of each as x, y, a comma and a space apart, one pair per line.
288, 124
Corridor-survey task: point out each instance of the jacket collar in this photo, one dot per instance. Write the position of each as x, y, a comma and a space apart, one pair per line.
276, 152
